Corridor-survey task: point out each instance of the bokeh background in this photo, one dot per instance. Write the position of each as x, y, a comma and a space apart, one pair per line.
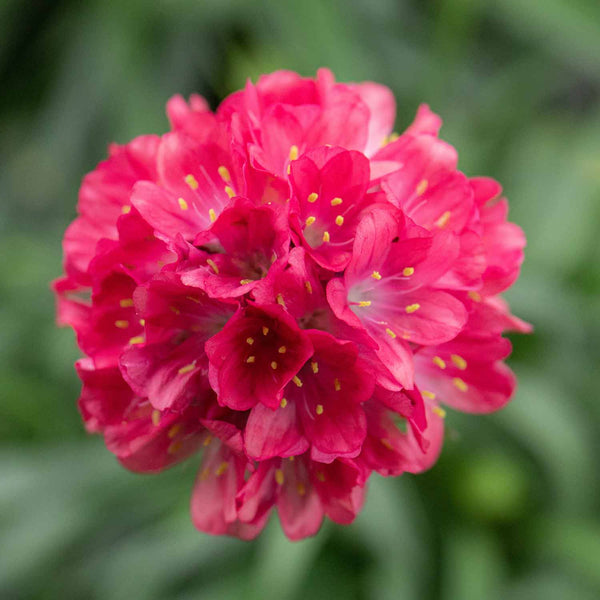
511, 509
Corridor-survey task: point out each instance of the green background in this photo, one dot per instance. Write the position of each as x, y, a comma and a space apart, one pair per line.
511, 510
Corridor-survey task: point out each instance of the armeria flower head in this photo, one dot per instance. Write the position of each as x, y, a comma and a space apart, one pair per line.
287, 292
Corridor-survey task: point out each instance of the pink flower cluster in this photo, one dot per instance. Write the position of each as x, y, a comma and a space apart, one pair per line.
288, 290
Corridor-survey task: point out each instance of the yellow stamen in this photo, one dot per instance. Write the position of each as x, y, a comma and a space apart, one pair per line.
438, 362
319, 409
191, 181
460, 384
297, 380
422, 187
280, 300
138, 339
282, 350
459, 361
309, 221
408, 271
376, 275
126, 209
174, 447
265, 330
126, 302
224, 174
385, 442
173, 431
183, 205
313, 197
212, 265
155, 417
245, 281
443, 220
251, 359
122, 324
212, 214
142, 322
308, 287
279, 476
314, 365
439, 411
475, 296
220, 470
428, 395
326, 237
207, 441
390, 333
249, 341
283, 403
174, 310
229, 191
336, 201
294, 152
339, 220
204, 474
411, 308
193, 299
337, 385
273, 365
364, 303
300, 488
187, 368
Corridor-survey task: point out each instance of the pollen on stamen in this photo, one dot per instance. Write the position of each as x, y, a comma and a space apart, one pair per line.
265, 330
337, 385
300, 488
390, 333
326, 236
187, 368
274, 365
174, 430
319, 409
294, 152
183, 205
175, 447
339, 220
475, 296
411, 308
251, 359
126, 302
280, 300
220, 470
443, 220
422, 187
211, 263
174, 310
229, 191
297, 380
283, 402
224, 173
249, 341
408, 271
212, 215
207, 441
336, 201
309, 221
279, 476
376, 275
245, 281
439, 411
122, 324
155, 417
314, 365
193, 299
386, 443
308, 287
313, 197
282, 350
428, 395
126, 209
364, 303
191, 181
138, 339
460, 384
142, 322
439, 362
459, 361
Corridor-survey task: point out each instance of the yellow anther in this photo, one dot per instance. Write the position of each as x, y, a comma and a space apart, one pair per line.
405, 335
204, 474
459, 361
174, 310
245, 281
191, 181
142, 322
207, 441
249, 341
212, 215
376, 275
321, 476
155, 417
422, 186
390, 333
300, 488
280, 300
308, 287
475, 296
294, 152
309, 221
439, 411
339, 220
326, 237
438, 362
187, 368
319, 409
175, 447
251, 359
460, 384
297, 380
213, 265
408, 271
428, 395
283, 403
174, 430
314, 365
282, 350
443, 220
138, 339
364, 303
126, 302
411, 308
337, 385
386, 443
265, 330
122, 324
313, 197
220, 470
336, 201
193, 299
229, 191
279, 476
273, 364
224, 173
288, 170
126, 209
183, 205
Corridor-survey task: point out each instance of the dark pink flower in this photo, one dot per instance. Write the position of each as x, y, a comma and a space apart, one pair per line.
290, 291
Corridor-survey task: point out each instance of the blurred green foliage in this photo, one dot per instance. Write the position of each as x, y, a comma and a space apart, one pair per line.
511, 510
